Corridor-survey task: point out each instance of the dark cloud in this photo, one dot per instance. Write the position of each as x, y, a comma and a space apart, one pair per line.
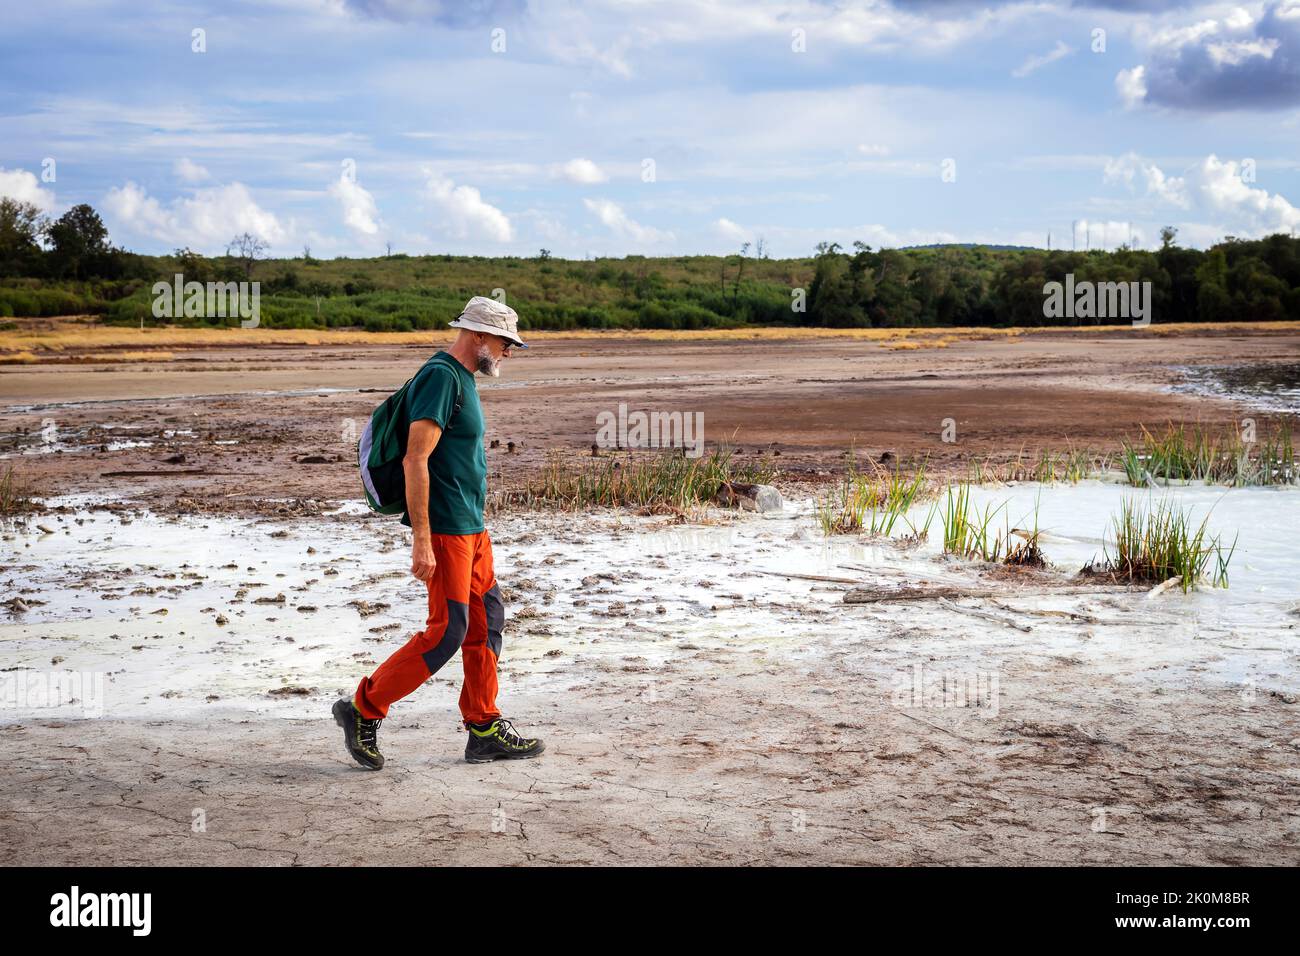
1223, 70
455, 14
1134, 6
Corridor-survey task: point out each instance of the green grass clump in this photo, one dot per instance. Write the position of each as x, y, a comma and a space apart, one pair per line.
969, 532
1045, 466
1194, 453
1157, 543
872, 503
1178, 453
966, 528
13, 494
668, 480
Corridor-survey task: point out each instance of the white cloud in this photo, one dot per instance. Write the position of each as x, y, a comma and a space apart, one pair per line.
188, 171
871, 25
582, 171
612, 56
206, 220
1215, 189
1130, 167
612, 215
729, 230
1238, 19
1131, 86
1248, 209
1038, 61
467, 215
25, 187
627, 40
359, 211
873, 149
1237, 52
1172, 39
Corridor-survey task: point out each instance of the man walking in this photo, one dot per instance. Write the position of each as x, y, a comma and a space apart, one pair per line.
445, 469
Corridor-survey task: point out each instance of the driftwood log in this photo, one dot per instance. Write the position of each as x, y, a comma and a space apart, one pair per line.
880, 595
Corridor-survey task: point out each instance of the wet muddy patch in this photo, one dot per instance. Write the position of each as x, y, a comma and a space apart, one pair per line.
1272, 386
277, 615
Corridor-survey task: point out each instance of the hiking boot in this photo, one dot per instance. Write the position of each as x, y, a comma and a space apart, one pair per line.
360, 735
497, 740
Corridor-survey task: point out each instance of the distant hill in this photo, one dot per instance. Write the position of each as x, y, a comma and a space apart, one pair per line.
976, 245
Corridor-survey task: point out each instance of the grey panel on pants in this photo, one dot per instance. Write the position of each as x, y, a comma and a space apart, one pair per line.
452, 638
495, 611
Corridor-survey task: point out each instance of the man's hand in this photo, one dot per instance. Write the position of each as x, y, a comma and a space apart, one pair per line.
423, 562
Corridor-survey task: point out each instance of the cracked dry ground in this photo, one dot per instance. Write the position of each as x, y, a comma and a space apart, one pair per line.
734, 757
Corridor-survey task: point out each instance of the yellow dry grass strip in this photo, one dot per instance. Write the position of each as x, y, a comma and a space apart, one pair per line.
905, 345
77, 337
49, 338
124, 356
80, 336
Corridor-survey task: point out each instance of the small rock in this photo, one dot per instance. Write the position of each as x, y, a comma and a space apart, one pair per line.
367, 608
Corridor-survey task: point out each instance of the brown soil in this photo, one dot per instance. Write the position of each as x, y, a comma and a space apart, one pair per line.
807, 399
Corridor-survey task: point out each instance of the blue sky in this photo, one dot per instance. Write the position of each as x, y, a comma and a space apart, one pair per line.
501, 128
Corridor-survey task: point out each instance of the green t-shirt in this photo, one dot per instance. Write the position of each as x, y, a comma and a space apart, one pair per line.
458, 465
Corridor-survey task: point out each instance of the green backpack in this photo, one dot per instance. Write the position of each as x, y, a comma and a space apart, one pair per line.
381, 448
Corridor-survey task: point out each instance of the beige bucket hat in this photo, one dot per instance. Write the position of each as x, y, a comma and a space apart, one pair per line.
488, 315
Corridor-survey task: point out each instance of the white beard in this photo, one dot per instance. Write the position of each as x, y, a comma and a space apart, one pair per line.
487, 365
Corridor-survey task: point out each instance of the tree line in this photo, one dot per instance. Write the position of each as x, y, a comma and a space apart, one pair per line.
68, 265
1236, 280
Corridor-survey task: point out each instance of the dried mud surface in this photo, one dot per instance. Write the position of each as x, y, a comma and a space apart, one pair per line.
227, 428
734, 763
697, 709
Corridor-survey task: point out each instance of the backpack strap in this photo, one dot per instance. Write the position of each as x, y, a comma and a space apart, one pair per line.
460, 398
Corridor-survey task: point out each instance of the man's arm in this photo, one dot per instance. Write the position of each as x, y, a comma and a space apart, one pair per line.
421, 440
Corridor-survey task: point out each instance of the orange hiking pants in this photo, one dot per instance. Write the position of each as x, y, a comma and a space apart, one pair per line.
466, 614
